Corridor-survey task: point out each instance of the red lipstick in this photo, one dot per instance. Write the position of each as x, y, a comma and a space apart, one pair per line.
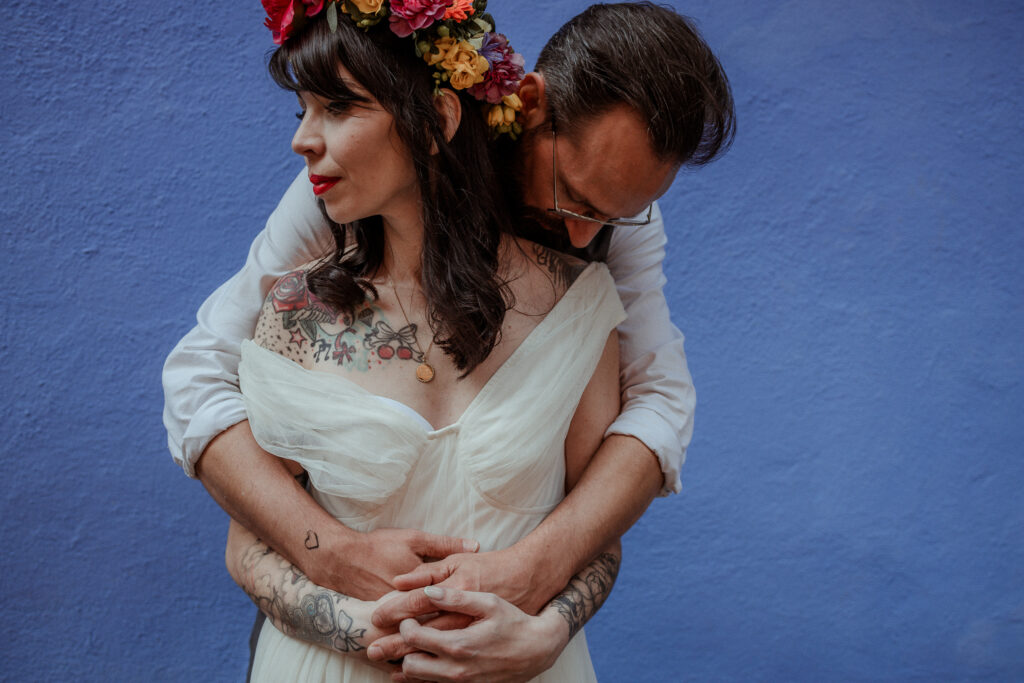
322, 183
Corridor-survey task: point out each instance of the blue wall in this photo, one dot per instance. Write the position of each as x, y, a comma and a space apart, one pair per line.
849, 277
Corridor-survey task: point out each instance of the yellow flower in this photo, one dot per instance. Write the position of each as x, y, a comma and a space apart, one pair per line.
512, 102
368, 6
442, 45
465, 66
495, 116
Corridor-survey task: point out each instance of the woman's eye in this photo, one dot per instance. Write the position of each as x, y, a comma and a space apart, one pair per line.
300, 115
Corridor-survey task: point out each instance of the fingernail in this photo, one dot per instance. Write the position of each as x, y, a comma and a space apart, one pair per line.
434, 592
374, 652
470, 546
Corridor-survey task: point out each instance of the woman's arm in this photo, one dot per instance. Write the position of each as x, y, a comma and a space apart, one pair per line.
294, 604
597, 409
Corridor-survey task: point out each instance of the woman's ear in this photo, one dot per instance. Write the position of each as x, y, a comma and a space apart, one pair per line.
535, 102
449, 106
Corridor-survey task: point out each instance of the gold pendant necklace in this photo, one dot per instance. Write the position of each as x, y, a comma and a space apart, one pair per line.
424, 371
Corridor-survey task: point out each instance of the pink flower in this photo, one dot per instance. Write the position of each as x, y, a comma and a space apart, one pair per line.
313, 7
506, 70
412, 15
280, 19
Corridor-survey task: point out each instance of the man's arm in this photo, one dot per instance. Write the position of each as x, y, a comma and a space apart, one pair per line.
658, 399
615, 489
644, 448
640, 456
200, 376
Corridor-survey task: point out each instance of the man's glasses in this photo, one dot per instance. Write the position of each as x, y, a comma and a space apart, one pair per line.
565, 213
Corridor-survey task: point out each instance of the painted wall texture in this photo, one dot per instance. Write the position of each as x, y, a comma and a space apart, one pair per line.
849, 278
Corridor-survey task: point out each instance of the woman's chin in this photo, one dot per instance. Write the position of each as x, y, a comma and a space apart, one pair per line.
337, 213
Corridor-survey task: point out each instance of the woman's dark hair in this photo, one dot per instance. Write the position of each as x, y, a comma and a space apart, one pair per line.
462, 206
647, 57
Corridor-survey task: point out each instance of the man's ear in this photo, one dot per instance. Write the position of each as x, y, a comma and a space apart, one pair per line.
449, 106
535, 103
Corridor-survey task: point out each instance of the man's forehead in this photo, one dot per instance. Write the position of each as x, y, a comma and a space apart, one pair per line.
609, 162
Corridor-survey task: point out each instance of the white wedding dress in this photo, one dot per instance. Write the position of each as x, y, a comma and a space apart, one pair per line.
492, 476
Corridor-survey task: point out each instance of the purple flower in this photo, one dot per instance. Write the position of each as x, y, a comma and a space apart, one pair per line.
507, 68
412, 15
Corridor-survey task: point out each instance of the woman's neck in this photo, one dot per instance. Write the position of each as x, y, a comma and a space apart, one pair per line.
403, 245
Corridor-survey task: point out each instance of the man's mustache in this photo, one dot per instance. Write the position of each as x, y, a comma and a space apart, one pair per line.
544, 219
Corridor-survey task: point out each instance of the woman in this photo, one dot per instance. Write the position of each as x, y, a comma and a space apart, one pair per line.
429, 373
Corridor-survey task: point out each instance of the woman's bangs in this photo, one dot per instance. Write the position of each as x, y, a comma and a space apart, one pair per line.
309, 63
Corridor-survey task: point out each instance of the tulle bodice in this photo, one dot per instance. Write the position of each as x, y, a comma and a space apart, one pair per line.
492, 475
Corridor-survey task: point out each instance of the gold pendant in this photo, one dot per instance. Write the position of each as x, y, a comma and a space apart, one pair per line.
424, 372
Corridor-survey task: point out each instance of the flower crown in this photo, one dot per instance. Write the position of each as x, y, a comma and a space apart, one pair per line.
454, 36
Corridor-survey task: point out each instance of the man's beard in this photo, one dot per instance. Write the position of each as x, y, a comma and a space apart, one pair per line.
538, 219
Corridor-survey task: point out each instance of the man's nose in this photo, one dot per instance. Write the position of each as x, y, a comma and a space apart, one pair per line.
581, 232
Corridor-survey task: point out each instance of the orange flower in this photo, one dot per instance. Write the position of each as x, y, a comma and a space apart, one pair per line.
459, 10
368, 6
442, 45
465, 66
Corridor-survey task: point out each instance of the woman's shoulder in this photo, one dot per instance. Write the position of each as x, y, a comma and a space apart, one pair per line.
538, 276
292, 317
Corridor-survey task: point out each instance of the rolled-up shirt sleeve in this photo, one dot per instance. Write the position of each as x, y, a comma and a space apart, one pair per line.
658, 398
200, 376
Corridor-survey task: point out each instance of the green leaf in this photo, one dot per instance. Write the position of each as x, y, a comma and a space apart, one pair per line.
332, 16
309, 329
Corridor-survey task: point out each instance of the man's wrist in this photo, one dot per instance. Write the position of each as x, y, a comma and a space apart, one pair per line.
554, 629
540, 568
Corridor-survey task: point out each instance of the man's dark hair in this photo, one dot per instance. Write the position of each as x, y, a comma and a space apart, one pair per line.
651, 59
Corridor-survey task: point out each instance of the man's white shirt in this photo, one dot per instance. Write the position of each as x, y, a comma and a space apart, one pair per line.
200, 377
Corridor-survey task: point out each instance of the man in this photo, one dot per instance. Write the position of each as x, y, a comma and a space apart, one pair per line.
623, 95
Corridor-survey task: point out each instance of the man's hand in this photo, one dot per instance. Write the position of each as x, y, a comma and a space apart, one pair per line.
506, 573
365, 566
502, 643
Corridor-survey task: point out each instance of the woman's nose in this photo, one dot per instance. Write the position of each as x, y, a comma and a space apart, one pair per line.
307, 140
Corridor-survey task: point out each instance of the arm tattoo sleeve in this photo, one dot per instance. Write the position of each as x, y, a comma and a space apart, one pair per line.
587, 591
295, 605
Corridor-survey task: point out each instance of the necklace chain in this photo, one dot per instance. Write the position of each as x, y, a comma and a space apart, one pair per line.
424, 371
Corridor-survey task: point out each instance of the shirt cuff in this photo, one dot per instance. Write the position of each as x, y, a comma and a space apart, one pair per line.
207, 423
655, 433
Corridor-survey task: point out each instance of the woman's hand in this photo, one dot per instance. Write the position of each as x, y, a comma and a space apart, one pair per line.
509, 573
501, 643
371, 560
